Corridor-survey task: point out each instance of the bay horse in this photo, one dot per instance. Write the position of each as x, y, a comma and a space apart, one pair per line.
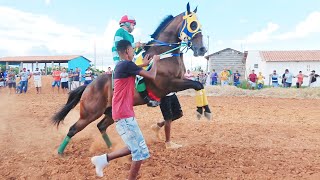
96, 98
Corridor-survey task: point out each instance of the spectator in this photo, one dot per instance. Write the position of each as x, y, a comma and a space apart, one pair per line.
37, 80
224, 75
288, 78
109, 71
300, 77
11, 79
230, 74
88, 77
24, 76
260, 80
5, 75
274, 78
313, 78
64, 81
70, 78
236, 78
56, 79
189, 75
283, 79
1, 79
202, 77
252, 80
214, 77
76, 79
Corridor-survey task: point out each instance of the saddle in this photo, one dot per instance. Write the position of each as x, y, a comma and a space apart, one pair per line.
140, 84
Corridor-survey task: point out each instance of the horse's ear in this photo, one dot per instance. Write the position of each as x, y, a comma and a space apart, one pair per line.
195, 10
188, 8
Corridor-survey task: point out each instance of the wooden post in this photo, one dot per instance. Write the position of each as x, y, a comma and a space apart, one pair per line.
45, 67
21, 66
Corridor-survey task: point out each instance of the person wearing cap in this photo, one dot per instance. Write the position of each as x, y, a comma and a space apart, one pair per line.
37, 79
127, 25
313, 78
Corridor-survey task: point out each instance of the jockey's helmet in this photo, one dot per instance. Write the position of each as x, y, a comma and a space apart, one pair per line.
128, 19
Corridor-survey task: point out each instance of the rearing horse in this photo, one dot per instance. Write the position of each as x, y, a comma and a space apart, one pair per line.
96, 98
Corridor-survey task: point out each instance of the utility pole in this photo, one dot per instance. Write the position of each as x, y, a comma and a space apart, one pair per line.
95, 58
208, 54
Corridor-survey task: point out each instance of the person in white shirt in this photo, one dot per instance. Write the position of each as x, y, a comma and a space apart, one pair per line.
88, 77
64, 81
37, 80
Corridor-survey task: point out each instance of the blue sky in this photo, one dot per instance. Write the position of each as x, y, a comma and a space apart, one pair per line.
49, 27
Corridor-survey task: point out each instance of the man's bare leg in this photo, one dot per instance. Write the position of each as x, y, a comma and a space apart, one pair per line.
167, 130
134, 170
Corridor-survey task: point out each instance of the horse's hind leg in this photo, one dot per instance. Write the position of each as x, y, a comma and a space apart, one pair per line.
73, 130
104, 124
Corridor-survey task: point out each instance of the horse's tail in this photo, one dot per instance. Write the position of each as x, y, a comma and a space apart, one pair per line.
73, 100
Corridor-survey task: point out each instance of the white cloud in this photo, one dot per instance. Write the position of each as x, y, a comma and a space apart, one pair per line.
262, 36
24, 33
303, 29
47, 2
270, 33
20, 31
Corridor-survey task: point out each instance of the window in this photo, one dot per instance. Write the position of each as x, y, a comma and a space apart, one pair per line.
255, 66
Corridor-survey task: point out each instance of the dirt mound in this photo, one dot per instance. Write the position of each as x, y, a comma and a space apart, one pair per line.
310, 93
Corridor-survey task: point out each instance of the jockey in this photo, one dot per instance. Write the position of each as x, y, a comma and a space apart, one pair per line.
127, 25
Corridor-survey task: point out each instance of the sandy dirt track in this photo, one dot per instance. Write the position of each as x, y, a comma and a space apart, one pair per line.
249, 138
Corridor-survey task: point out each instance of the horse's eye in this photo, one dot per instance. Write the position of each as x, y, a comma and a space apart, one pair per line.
194, 25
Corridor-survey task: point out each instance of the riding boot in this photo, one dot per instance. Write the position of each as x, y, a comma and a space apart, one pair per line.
148, 100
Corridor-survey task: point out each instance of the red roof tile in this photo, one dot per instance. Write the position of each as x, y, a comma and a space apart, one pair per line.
287, 56
38, 58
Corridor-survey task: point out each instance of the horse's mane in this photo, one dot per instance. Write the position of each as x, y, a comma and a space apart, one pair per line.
162, 25
156, 33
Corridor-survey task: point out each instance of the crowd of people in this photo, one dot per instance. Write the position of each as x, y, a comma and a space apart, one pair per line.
253, 81
62, 78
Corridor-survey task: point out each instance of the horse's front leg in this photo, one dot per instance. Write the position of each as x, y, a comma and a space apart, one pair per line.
201, 97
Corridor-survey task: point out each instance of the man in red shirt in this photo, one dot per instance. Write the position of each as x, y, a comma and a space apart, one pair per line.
122, 111
252, 80
56, 79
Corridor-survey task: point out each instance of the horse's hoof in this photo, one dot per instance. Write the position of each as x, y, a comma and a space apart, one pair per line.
198, 115
208, 115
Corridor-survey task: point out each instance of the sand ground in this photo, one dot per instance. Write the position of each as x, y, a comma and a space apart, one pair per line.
248, 138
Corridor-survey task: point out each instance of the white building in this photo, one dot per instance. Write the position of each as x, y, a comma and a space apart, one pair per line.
295, 61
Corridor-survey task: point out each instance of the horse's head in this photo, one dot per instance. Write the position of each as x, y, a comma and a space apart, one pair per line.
191, 32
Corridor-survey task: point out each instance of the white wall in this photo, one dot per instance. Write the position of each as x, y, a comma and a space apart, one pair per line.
254, 58
294, 68
267, 67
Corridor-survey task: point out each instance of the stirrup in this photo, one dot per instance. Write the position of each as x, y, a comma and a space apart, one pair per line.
153, 103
